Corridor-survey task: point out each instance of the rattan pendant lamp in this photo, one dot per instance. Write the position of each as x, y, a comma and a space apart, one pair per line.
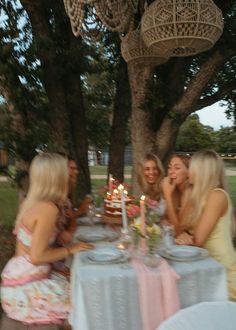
134, 50
181, 27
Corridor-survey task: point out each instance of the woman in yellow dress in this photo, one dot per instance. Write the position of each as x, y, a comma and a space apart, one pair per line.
209, 214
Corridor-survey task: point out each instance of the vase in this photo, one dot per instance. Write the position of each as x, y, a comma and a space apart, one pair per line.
151, 259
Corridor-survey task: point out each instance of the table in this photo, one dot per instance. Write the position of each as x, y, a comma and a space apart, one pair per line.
105, 297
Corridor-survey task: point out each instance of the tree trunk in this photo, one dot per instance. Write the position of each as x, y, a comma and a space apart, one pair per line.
18, 127
61, 79
121, 114
75, 106
142, 134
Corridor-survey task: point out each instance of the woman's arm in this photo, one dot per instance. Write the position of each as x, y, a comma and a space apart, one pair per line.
216, 206
168, 190
44, 228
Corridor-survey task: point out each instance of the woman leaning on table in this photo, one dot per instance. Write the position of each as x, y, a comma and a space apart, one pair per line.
209, 215
150, 175
175, 187
31, 296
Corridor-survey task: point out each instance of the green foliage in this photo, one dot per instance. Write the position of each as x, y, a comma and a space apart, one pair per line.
194, 136
226, 140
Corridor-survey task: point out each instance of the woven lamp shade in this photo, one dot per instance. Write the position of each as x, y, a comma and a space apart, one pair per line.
134, 50
181, 27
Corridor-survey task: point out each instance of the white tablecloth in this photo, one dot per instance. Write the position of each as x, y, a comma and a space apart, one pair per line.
105, 297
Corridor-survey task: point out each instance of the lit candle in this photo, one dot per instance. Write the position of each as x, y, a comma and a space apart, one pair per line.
110, 183
115, 193
124, 215
120, 189
108, 196
142, 215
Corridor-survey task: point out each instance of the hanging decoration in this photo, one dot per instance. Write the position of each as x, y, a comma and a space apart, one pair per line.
134, 50
90, 17
181, 27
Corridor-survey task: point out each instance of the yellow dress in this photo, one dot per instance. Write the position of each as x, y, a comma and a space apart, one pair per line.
220, 246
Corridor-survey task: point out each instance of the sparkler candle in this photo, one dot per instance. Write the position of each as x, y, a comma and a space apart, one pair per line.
142, 215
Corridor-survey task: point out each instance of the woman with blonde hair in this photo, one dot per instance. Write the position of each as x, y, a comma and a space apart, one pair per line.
30, 295
150, 174
175, 189
210, 217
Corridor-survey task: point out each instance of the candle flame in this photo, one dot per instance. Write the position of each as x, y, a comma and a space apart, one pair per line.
142, 198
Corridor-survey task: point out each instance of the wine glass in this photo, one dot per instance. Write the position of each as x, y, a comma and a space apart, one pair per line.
91, 211
124, 241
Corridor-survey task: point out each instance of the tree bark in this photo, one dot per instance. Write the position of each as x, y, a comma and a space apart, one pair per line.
121, 114
142, 135
61, 79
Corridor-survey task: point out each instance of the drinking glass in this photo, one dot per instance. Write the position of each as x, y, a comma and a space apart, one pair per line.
168, 236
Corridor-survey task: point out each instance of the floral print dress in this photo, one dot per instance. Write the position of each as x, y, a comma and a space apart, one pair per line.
30, 293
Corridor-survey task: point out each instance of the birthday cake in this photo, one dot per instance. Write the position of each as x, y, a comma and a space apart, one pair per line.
113, 206
113, 202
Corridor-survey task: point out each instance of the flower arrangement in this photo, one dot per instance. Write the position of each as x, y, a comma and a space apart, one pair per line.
152, 229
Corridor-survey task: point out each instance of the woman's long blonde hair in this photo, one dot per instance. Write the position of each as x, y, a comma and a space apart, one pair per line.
207, 173
153, 191
48, 181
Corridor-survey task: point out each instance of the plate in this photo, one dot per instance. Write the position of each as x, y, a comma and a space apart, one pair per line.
105, 254
184, 253
97, 219
93, 234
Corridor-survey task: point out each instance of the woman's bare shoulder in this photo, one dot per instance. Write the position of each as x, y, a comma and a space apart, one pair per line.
46, 206
218, 194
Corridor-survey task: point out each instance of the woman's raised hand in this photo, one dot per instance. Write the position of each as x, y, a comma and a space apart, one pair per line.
168, 186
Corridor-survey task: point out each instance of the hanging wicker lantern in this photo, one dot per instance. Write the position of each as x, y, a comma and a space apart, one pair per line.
181, 27
133, 50
87, 16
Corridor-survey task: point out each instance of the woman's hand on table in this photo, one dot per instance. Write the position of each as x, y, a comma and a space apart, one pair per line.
81, 246
184, 239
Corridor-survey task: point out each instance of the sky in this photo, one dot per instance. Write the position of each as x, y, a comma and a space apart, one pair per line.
214, 116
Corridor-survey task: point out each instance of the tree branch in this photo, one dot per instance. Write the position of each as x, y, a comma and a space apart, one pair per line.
219, 95
198, 84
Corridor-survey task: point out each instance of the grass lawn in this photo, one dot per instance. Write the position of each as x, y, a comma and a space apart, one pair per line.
8, 203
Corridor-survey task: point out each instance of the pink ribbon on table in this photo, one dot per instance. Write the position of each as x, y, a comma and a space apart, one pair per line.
158, 293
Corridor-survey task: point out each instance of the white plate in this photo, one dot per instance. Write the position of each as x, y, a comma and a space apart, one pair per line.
93, 234
105, 254
184, 253
87, 220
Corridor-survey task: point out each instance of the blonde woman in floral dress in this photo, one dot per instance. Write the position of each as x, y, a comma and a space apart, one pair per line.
209, 215
31, 297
